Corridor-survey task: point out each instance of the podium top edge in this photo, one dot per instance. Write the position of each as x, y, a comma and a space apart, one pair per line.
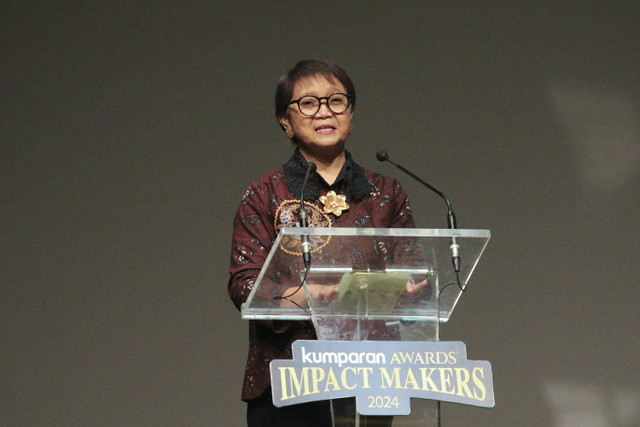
399, 232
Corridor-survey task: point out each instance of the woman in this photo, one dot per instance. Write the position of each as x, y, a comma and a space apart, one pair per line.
314, 105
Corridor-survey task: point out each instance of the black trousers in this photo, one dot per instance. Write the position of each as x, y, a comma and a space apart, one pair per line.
262, 413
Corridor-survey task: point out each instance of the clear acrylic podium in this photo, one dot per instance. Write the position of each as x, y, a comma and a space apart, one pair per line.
369, 284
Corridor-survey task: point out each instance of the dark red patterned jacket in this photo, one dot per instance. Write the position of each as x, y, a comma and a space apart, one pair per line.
374, 201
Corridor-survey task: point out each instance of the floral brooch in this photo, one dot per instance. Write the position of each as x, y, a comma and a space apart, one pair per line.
334, 203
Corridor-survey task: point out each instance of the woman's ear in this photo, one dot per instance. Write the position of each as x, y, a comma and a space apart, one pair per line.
284, 122
288, 129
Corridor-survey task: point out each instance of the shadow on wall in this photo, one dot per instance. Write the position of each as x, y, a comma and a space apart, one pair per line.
604, 128
591, 406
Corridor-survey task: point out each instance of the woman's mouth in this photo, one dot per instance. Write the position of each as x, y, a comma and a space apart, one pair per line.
325, 129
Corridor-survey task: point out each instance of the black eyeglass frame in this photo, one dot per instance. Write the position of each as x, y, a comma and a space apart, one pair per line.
297, 101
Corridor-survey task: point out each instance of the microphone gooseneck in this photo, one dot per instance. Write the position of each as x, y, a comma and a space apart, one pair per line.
304, 238
383, 156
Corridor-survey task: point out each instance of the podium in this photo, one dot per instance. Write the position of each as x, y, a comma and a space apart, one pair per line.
378, 284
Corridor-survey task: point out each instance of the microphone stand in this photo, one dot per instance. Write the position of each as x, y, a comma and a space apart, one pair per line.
383, 156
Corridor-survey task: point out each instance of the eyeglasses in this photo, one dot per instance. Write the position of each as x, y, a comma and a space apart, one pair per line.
310, 105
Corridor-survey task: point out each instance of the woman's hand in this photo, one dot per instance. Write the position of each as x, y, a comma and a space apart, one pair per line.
298, 297
415, 291
413, 288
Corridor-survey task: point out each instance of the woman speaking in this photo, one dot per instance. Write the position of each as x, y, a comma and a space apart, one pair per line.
315, 104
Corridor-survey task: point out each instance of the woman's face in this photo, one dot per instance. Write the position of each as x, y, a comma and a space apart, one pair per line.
324, 132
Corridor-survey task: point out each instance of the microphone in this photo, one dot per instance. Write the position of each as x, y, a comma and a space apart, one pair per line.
304, 238
383, 156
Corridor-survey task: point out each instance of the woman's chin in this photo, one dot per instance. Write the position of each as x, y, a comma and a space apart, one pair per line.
323, 147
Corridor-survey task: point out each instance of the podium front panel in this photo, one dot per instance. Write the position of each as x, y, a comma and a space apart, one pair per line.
372, 273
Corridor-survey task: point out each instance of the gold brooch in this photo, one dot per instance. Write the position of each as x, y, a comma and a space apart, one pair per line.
334, 203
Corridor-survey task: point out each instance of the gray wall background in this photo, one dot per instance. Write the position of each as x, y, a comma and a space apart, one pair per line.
131, 129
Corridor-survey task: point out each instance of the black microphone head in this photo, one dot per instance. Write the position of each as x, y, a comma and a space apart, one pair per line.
311, 166
382, 155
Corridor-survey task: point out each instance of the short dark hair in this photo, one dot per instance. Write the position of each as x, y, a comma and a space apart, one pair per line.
307, 68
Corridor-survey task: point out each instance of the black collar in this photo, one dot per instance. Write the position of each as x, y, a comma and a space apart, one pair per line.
351, 180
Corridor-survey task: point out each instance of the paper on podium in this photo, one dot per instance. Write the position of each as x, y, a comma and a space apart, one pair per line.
378, 291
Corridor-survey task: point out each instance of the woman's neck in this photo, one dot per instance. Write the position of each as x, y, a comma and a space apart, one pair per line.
328, 166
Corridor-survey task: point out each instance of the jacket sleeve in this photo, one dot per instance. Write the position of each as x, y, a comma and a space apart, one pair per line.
253, 236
